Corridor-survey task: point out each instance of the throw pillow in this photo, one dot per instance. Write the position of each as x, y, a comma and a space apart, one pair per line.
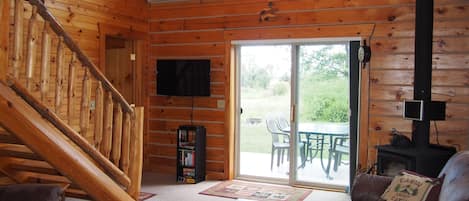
410, 186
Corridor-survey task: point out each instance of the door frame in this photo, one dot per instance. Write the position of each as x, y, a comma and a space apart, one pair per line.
361, 31
295, 43
139, 42
355, 107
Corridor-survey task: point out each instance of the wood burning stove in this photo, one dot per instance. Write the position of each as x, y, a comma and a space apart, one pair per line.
422, 157
426, 161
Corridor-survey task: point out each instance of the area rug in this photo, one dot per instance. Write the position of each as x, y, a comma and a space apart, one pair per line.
144, 196
255, 191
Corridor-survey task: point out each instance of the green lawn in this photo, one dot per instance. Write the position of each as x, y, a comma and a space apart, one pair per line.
261, 104
255, 138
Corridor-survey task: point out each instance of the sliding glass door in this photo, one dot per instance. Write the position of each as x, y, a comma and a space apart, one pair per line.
294, 112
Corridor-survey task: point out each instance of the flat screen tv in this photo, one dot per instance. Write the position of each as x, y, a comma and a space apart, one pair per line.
177, 77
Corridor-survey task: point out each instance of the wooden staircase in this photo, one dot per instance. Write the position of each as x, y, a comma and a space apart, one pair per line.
61, 120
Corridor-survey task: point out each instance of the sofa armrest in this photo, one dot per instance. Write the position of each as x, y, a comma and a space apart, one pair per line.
368, 187
32, 192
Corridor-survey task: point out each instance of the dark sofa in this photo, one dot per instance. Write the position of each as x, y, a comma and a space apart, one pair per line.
31, 192
455, 184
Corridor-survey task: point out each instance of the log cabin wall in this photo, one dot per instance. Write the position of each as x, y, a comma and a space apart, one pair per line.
4, 43
197, 29
83, 20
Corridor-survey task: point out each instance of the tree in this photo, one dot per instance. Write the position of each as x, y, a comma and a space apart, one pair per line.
326, 62
254, 76
324, 81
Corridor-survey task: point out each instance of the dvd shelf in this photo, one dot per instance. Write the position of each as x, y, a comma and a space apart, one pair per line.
191, 154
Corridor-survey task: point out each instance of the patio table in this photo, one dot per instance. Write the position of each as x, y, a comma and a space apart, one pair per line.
322, 130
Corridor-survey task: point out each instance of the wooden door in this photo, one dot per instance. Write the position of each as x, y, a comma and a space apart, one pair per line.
120, 67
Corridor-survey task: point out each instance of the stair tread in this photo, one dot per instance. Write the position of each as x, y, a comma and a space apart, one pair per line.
17, 151
33, 166
72, 191
34, 176
15, 147
4, 180
7, 138
76, 193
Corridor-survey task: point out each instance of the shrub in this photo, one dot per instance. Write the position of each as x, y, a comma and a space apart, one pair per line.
326, 100
280, 88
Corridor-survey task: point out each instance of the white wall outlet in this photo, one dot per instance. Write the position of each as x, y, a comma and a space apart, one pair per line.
92, 105
221, 104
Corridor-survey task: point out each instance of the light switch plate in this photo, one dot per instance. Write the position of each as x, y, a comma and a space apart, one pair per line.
221, 104
92, 105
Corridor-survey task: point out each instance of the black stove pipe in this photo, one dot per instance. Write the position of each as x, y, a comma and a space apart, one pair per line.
423, 69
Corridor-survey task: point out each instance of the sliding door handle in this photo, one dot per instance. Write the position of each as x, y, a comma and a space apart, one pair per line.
292, 113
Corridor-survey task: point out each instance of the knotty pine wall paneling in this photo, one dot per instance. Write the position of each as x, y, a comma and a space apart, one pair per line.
4, 43
200, 29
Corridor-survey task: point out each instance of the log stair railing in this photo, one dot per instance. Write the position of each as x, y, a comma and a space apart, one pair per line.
68, 104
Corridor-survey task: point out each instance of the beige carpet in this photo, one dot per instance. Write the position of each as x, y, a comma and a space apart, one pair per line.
257, 191
167, 189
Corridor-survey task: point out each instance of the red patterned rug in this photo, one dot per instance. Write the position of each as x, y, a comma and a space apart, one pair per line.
256, 191
144, 196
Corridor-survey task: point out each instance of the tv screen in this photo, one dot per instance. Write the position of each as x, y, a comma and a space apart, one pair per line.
183, 77
413, 110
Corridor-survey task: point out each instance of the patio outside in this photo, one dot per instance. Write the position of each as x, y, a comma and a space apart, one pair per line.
265, 93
